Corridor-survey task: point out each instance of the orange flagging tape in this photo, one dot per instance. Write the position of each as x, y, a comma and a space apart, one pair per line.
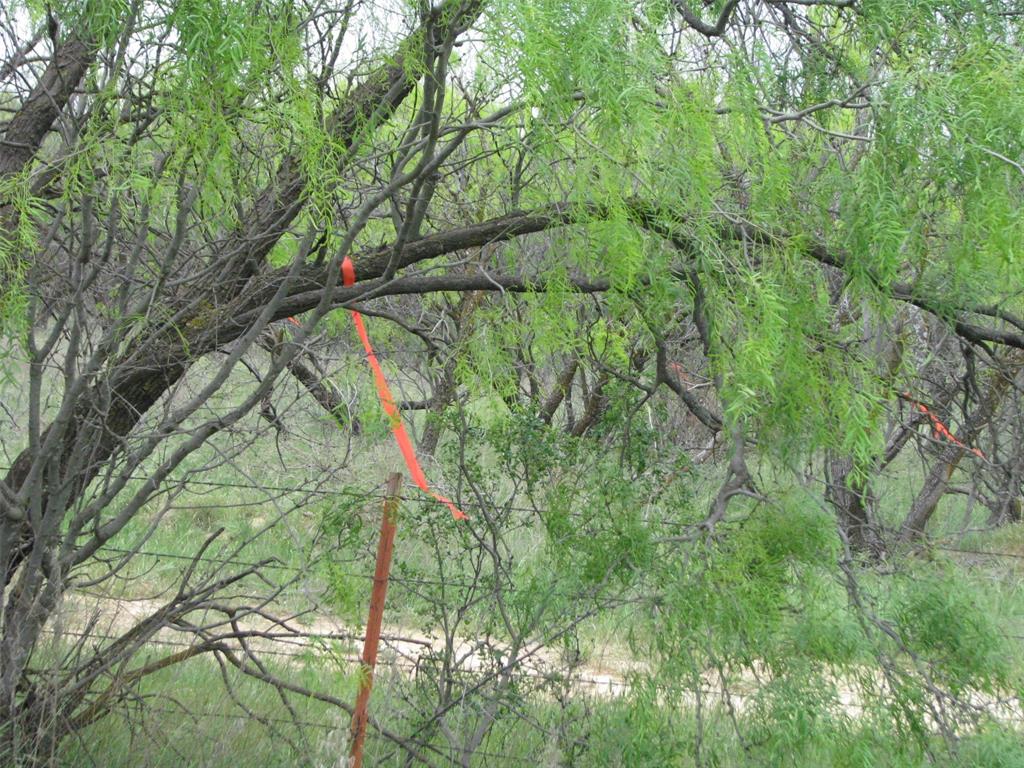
940, 430
348, 277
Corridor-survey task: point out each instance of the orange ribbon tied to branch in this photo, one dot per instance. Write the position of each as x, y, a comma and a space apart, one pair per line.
348, 277
939, 430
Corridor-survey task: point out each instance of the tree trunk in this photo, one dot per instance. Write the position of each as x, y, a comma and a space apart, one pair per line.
852, 501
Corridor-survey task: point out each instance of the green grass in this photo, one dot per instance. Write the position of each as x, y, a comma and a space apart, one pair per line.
186, 720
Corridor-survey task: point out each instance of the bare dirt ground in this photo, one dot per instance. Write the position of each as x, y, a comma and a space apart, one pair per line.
604, 673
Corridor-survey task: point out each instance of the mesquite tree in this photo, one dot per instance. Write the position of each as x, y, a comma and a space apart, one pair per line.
768, 208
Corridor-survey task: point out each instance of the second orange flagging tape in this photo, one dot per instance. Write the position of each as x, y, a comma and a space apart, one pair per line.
387, 400
939, 430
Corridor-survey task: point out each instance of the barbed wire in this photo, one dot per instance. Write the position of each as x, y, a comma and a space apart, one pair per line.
399, 661
295, 569
376, 494
614, 686
483, 583
327, 727
983, 552
313, 491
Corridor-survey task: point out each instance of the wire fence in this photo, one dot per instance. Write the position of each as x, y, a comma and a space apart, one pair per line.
342, 726
330, 570
309, 638
340, 723
314, 487
316, 645
613, 683
374, 494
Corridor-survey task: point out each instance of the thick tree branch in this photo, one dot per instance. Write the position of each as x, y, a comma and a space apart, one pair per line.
708, 30
35, 118
559, 392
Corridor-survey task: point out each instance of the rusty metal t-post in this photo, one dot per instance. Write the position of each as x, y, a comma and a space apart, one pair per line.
373, 624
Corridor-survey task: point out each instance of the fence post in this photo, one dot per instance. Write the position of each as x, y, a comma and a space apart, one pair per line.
385, 546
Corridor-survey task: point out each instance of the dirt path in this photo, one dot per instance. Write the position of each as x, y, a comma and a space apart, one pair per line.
603, 674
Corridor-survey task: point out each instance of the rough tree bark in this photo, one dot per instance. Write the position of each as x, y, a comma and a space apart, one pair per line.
852, 501
35, 118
